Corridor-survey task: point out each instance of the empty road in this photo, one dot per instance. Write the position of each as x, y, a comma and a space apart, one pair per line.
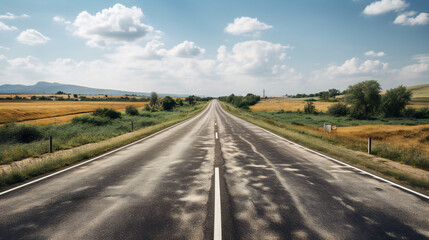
213, 176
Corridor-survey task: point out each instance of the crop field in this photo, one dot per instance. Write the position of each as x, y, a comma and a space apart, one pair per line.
270, 105
275, 105
54, 112
399, 135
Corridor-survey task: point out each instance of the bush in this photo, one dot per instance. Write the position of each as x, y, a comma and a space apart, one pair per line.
20, 133
168, 103
338, 109
94, 120
310, 108
131, 110
180, 102
421, 113
107, 112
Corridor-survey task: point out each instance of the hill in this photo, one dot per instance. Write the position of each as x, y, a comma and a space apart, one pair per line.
420, 91
52, 88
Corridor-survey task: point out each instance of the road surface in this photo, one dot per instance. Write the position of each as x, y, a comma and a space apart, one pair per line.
165, 187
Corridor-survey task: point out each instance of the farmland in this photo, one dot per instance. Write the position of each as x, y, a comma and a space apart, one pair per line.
53, 112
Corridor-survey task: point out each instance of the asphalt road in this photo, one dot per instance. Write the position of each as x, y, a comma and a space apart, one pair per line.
165, 187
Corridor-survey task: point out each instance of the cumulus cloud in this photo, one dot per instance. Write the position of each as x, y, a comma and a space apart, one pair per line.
407, 19
117, 24
421, 58
375, 54
246, 25
187, 50
32, 37
4, 27
385, 6
60, 19
9, 15
354, 66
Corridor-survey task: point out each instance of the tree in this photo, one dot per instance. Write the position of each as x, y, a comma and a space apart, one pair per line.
191, 100
168, 103
333, 92
60, 92
153, 99
180, 102
131, 110
309, 107
395, 100
75, 95
364, 98
324, 95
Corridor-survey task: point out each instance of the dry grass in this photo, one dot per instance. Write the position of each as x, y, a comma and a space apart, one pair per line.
48, 112
288, 105
397, 135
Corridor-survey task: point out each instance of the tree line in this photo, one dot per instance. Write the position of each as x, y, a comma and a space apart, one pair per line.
240, 101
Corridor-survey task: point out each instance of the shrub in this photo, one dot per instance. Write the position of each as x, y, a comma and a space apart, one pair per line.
131, 110
338, 109
94, 120
20, 133
168, 103
309, 108
421, 113
107, 112
180, 102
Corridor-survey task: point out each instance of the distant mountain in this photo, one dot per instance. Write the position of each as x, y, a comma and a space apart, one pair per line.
52, 88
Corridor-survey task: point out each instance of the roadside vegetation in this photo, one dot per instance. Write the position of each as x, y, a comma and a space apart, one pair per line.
240, 101
20, 141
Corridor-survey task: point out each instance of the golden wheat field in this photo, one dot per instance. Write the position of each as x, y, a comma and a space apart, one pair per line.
274, 105
54, 112
271, 105
398, 135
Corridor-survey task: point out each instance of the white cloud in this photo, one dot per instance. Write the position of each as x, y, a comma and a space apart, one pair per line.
385, 6
246, 25
187, 50
407, 19
421, 58
117, 24
375, 54
255, 57
60, 19
5, 48
9, 15
32, 37
354, 66
4, 27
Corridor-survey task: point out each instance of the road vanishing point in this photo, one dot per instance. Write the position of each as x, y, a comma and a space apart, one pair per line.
214, 176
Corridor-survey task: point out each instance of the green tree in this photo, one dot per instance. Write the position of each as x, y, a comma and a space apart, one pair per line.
364, 98
191, 100
153, 99
180, 102
131, 110
395, 100
309, 107
168, 103
333, 92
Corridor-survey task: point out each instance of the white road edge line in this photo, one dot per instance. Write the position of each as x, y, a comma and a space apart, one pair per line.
342, 163
103, 155
217, 136
217, 216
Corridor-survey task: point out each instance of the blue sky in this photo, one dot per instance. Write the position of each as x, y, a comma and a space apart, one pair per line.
215, 47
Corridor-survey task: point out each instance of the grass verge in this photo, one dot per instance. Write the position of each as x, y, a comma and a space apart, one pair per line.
364, 161
15, 173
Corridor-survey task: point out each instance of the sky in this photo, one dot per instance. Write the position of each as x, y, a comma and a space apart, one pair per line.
215, 48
